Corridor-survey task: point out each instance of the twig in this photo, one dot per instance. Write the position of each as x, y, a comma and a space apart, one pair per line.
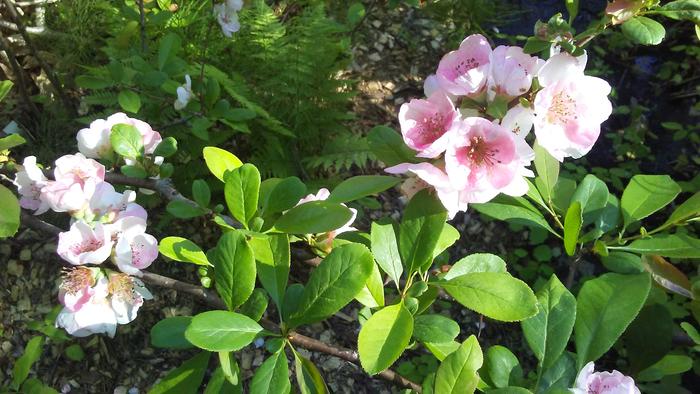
211, 299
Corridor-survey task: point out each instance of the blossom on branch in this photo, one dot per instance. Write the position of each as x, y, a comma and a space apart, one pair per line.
84, 244
591, 382
465, 71
29, 181
227, 15
425, 124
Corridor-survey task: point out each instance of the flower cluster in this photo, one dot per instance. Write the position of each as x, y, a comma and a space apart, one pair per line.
227, 15
105, 225
591, 382
481, 105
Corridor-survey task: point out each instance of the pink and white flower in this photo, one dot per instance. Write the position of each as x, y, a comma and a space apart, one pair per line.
425, 124
184, 94
29, 181
94, 142
106, 203
464, 72
570, 107
92, 313
83, 244
77, 169
485, 159
66, 196
127, 296
227, 15
511, 73
591, 382
519, 120
135, 250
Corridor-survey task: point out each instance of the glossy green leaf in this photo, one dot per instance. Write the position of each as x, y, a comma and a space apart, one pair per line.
360, 186
5, 87
372, 294
234, 268
667, 245
671, 364
129, 101
547, 168
572, 227
605, 307
218, 384
681, 10
273, 260
126, 140
183, 250
9, 215
457, 372
333, 284
184, 209
285, 194
314, 217
385, 249
169, 333
308, 376
592, 193
168, 46
201, 192
623, 263
166, 148
441, 349
654, 321
11, 141
435, 329
501, 368
219, 161
643, 30
222, 331
646, 194
419, 231
477, 262
493, 294
689, 209
513, 213
184, 379
384, 337
229, 367
448, 236
241, 191
32, 352
256, 305
548, 332
272, 377
389, 147
558, 378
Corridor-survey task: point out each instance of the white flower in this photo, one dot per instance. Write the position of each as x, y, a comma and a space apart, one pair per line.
135, 250
29, 181
83, 244
184, 94
128, 294
95, 316
227, 16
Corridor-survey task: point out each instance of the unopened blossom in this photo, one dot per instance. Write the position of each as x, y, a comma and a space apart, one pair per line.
570, 107
328, 238
452, 199
92, 315
511, 73
127, 295
184, 94
134, 249
227, 15
622, 10
83, 244
106, 203
78, 169
29, 181
519, 120
425, 124
591, 382
485, 159
466, 70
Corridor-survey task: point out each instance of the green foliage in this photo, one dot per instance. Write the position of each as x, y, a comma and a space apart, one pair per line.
9, 218
384, 337
221, 331
186, 378
234, 268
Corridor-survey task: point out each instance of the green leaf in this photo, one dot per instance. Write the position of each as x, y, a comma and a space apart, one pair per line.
572, 8
678, 10
654, 321
493, 294
534, 45
5, 87
563, 191
560, 376
372, 294
548, 332
513, 213
384, 337
389, 147
572, 227
169, 46
129, 101
222, 331
32, 352
135, 171
285, 194
441, 350
623, 263
273, 260
667, 245
9, 215
477, 262
241, 191
356, 12
314, 217
643, 30
36, 386
169, 333
308, 376
218, 384
219, 161
201, 192
184, 209
419, 231
184, 379
229, 367
457, 372
234, 269
166, 148
333, 284
256, 305
92, 82
501, 369
74, 352
360, 186
272, 377
448, 236
689, 209
127, 141
671, 364
605, 307
11, 141
435, 328
646, 194
593, 194
183, 250
547, 168
385, 249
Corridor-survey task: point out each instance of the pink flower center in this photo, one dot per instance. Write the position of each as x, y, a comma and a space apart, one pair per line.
76, 279
465, 65
431, 128
562, 109
122, 286
478, 152
89, 245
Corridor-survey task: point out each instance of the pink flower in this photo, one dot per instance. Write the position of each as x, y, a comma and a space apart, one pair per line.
425, 124
134, 250
77, 287
78, 169
94, 142
512, 71
452, 199
519, 120
465, 71
66, 196
570, 107
590, 382
29, 181
485, 159
93, 314
127, 296
83, 244
106, 203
